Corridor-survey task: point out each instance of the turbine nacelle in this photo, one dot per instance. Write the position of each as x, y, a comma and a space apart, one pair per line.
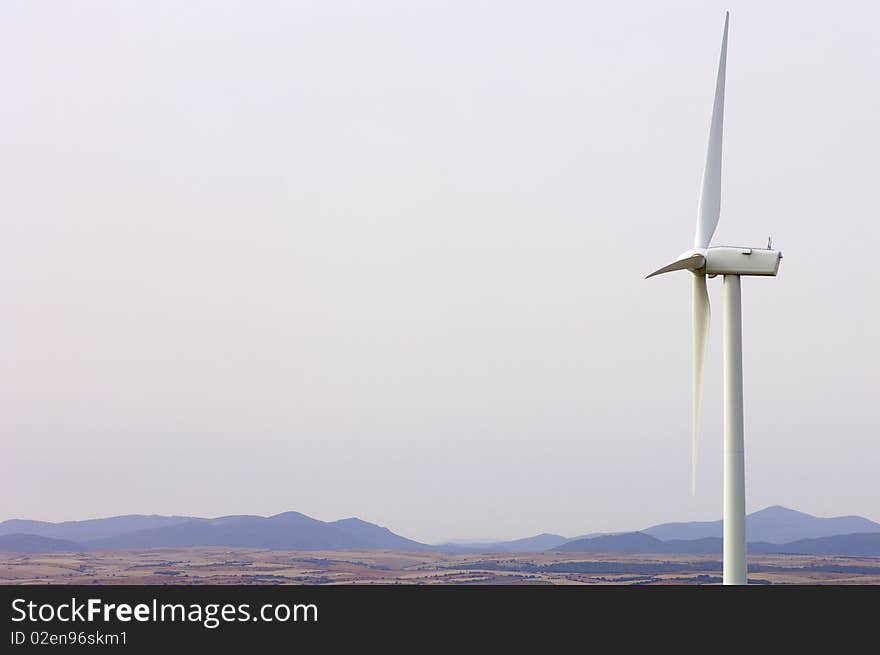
725, 260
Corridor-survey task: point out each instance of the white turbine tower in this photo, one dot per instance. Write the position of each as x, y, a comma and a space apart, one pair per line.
732, 263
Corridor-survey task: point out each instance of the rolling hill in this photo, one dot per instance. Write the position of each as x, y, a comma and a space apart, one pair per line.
544, 541
628, 542
775, 525
31, 543
287, 531
866, 544
848, 545
90, 529
771, 530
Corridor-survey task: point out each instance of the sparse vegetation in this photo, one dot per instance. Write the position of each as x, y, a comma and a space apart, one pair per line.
264, 567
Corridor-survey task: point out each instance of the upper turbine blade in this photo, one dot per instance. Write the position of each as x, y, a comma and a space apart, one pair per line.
710, 193
702, 314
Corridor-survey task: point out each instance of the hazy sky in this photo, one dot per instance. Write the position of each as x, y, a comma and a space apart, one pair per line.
387, 259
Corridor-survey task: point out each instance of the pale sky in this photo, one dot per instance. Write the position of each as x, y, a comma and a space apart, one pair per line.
386, 260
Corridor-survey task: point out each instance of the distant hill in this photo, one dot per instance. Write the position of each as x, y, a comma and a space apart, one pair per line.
287, 531
537, 543
627, 542
774, 529
373, 536
92, 528
775, 525
31, 543
544, 541
704, 546
850, 545
590, 535
772, 525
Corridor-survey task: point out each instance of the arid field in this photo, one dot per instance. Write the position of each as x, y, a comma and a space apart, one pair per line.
254, 566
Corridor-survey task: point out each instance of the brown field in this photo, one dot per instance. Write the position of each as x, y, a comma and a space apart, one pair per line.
254, 566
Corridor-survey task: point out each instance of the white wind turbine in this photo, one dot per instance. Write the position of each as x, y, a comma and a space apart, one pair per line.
732, 263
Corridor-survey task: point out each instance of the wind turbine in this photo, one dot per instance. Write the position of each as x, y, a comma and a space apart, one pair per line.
732, 263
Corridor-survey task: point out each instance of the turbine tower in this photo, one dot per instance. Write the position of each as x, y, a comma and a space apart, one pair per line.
732, 263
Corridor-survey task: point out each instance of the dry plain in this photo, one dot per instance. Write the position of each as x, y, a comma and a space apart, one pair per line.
219, 565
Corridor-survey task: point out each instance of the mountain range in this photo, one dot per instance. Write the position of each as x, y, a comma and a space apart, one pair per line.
775, 525
287, 531
850, 545
774, 529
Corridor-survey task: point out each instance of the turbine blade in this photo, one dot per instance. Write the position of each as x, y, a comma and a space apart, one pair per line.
692, 263
710, 193
702, 314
